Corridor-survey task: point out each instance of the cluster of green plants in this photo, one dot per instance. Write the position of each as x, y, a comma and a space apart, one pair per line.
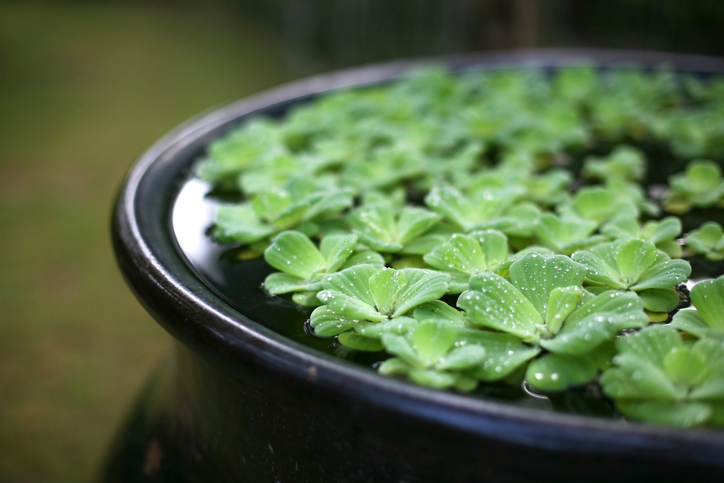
496, 226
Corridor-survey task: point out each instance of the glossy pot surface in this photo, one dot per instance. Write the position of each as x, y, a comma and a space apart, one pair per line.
238, 402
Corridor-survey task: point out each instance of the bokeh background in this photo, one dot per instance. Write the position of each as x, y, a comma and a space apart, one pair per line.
85, 87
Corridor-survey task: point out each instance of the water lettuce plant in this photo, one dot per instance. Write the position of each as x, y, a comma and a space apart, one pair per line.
487, 230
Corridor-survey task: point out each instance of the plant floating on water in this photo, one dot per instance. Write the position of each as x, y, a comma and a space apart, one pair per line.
658, 377
700, 186
708, 240
526, 195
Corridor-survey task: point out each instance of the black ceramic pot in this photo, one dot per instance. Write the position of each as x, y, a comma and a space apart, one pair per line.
238, 402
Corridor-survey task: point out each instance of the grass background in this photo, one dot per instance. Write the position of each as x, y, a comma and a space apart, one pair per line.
84, 89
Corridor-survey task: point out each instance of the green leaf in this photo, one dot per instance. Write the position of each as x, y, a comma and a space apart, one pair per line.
434, 379
327, 323
359, 342
306, 298
461, 253
422, 286
598, 270
493, 246
394, 366
399, 346
413, 222
561, 302
349, 307
685, 366
294, 253
691, 322
536, 276
462, 358
596, 321
564, 235
503, 353
279, 283
386, 286
708, 240
439, 311
661, 300
663, 275
268, 204
651, 344
494, 302
432, 341
375, 226
397, 326
708, 298
239, 223
670, 413
556, 372
336, 249
636, 378
365, 257
353, 282
633, 258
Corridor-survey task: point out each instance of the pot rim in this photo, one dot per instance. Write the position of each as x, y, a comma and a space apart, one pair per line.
190, 310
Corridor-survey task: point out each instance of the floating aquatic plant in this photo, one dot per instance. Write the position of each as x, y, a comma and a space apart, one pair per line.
707, 240
659, 378
520, 192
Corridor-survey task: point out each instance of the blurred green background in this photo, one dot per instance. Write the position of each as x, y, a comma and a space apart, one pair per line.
85, 87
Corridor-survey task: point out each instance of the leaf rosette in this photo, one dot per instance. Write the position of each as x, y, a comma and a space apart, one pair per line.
708, 240
637, 266
658, 377
373, 301
544, 306
303, 265
707, 320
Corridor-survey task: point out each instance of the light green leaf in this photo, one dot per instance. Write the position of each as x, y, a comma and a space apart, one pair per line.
661, 300
434, 379
536, 276
691, 322
439, 311
365, 257
651, 344
462, 358
598, 270
394, 366
461, 253
397, 326
359, 342
494, 302
666, 274
633, 258
556, 372
564, 235
432, 340
671, 413
708, 298
636, 378
386, 286
349, 307
493, 246
561, 302
413, 222
239, 223
279, 283
375, 226
503, 353
336, 249
353, 282
685, 366
596, 321
327, 323
708, 240
399, 346
422, 286
308, 299
453, 205
294, 253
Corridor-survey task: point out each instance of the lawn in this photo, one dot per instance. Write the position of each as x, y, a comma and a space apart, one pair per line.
84, 90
